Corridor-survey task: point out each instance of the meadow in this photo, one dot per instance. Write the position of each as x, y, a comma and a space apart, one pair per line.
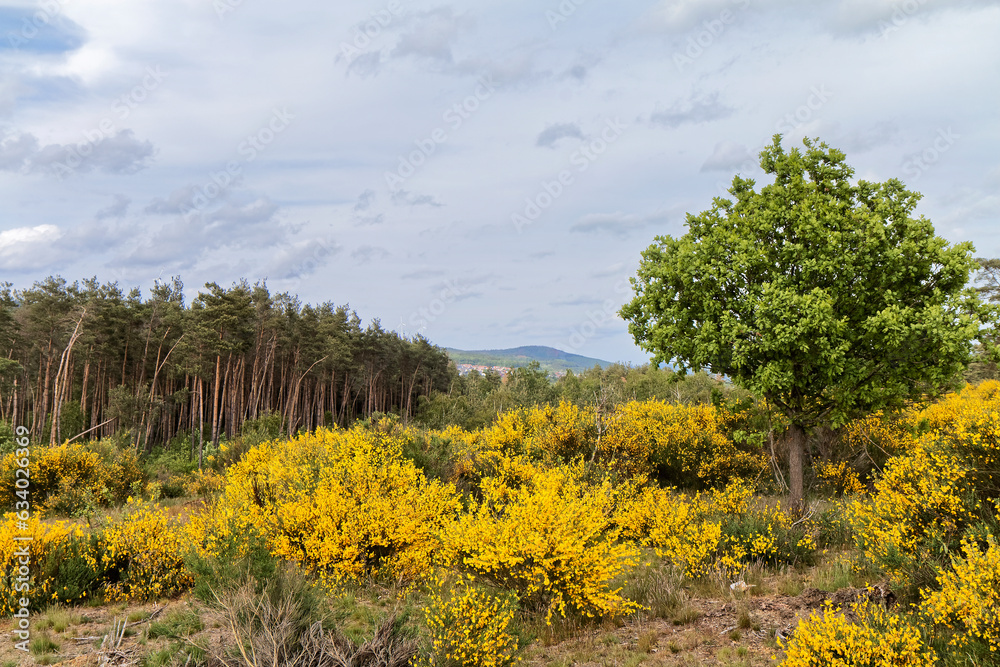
650, 533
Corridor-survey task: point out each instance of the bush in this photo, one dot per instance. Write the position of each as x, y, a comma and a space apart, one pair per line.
552, 541
469, 627
346, 503
683, 445
143, 555
969, 599
74, 478
62, 564
880, 639
235, 558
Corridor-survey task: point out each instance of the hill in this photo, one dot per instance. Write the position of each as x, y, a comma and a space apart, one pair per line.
549, 358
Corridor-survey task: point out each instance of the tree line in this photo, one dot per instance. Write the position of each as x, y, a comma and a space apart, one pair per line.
86, 359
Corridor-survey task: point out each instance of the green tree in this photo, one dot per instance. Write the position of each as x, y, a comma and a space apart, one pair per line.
823, 295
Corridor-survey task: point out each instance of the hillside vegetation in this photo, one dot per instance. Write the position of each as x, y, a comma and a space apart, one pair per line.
629, 532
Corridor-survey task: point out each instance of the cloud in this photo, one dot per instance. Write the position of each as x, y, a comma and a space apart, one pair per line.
620, 224
39, 29
553, 133
861, 140
118, 154
240, 221
696, 109
422, 274
406, 198
301, 259
364, 200
681, 15
366, 65
26, 248
117, 209
432, 35
366, 253
177, 202
727, 156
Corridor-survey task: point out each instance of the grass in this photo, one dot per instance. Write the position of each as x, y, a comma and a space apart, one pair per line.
42, 645
59, 618
176, 624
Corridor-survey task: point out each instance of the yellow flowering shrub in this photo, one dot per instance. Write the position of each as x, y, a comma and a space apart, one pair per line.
918, 512
70, 476
675, 527
561, 433
842, 477
344, 502
880, 639
881, 434
202, 483
54, 556
552, 541
969, 599
469, 628
682, 444
967, 425
723, 528
145, 551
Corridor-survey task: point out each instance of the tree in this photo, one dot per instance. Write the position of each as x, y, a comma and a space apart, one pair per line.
824, 296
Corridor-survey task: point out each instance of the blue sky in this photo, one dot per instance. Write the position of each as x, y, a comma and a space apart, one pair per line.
484, 173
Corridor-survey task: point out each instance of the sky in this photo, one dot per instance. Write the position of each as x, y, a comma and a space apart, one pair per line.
485, 173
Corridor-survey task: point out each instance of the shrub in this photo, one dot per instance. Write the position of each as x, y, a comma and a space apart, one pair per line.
61, 564
346, 503
143, 555
552, 541
684, 445
70, 478
880, 639
675, 527
969, 599
469, 627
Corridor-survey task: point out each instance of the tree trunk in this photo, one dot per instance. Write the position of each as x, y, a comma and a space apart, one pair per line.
796, 439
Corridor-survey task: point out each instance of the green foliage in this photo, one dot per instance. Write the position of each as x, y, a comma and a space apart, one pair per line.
176, 624
74, 568
241, 557
821, 294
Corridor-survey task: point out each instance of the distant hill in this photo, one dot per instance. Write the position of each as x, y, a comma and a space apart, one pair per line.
549, 358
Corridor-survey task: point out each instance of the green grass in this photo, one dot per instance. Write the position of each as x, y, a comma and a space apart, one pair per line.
42, 645
176, 624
